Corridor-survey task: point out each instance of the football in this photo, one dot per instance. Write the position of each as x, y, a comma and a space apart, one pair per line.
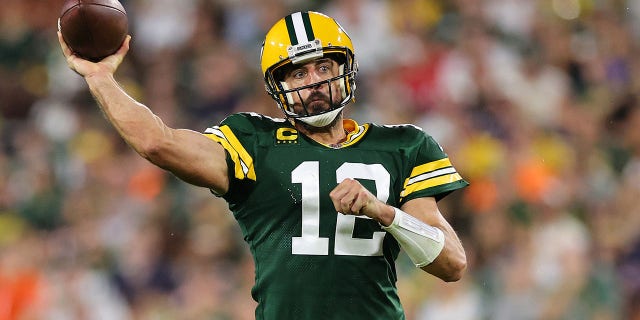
93, 29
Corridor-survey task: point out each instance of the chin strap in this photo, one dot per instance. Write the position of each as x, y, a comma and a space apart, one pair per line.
422, 242
321, 120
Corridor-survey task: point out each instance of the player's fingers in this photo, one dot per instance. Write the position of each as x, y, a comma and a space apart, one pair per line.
336, 201
346, 204
337, 195
68, 53
65, 49
347, 194
363, 203
349, 197
343, 204
358, 204
124, 48
114, 60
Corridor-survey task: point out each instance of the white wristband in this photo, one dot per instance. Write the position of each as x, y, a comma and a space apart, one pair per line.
422, 242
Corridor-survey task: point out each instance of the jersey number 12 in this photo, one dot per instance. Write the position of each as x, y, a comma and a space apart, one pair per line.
310, 242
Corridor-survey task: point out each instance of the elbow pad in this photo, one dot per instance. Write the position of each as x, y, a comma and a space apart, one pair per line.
422, 242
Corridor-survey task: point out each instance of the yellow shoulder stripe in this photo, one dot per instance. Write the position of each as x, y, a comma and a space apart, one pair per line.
243, 163
431, 166
429, 175
433, 182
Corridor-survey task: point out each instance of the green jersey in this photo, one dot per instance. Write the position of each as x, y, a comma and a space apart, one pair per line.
312, 262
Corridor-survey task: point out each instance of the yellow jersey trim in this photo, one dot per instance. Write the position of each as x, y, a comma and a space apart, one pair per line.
243, 162
354, 131
429, 175
431, 166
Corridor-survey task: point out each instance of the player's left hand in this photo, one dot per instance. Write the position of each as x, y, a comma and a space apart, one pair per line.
350, 197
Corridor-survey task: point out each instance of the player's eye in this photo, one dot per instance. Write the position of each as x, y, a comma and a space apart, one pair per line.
298, 74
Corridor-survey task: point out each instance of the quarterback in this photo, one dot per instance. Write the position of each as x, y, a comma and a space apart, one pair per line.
325, 203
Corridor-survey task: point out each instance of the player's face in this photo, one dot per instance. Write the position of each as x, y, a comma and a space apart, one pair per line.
314, 99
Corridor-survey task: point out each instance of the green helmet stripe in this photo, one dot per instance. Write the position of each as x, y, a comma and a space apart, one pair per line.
291, 29
307, 26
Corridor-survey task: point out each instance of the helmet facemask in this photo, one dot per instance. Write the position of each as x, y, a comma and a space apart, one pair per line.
340, 93
341, 86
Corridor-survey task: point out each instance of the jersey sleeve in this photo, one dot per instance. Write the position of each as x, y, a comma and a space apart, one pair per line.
237, 136
432, 173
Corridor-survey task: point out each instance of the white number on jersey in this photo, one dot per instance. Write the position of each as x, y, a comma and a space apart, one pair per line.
310, 242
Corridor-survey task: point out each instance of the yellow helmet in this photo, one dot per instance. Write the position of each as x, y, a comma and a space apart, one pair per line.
301, 37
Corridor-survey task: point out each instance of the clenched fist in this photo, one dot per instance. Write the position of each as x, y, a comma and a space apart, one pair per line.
352, 198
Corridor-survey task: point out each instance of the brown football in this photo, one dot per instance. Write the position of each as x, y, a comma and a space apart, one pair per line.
93, 29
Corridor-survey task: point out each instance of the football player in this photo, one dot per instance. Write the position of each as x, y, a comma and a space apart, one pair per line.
325, 203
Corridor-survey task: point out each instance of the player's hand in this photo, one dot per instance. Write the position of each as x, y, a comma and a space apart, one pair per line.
350, 197
85, 67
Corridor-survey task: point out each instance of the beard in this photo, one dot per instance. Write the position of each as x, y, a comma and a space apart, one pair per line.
317, 103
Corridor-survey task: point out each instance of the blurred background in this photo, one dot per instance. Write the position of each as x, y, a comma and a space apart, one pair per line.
535, 102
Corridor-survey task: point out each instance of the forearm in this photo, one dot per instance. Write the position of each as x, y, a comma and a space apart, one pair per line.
450, 261
188, 154
135, 123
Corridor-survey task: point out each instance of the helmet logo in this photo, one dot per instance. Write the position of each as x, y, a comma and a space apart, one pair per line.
305, 52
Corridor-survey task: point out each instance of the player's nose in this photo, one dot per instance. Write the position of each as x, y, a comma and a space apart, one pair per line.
315, 78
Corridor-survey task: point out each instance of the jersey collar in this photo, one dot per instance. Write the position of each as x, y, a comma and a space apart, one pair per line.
354, 132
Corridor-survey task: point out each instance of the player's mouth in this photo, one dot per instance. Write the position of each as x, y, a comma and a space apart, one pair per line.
317, 103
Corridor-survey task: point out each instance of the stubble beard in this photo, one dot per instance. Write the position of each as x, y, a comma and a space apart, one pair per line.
317, 103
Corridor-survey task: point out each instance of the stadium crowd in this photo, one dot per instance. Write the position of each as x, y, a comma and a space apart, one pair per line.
536, 101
